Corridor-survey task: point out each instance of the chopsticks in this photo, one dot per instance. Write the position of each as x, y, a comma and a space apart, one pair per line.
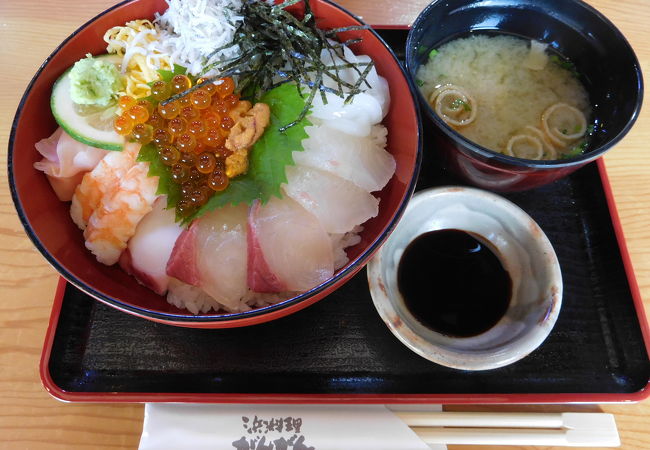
557, 429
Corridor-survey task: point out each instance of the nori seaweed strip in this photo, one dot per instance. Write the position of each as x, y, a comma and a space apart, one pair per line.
334, 31
307, 107
342, 56
347, 43
285, 4
361, 79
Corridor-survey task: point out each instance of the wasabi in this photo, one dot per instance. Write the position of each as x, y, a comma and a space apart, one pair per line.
94, 82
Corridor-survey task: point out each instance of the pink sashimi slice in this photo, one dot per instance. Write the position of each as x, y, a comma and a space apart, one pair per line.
291, 243
64, 159
64, 187
182, 263
150, 248
222, 255
47, 148
260, 277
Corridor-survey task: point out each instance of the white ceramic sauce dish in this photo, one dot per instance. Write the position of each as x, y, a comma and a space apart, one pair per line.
522, 248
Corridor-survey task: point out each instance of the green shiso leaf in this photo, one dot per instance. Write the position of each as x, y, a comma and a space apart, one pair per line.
166, 186
269, 156
167, 75
273, 152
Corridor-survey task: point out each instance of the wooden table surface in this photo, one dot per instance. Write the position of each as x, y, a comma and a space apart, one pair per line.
30, 418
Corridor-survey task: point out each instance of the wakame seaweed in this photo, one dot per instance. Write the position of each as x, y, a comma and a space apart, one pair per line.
277, 47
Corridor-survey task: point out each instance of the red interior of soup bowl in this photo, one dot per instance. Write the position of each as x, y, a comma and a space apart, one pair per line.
47, 220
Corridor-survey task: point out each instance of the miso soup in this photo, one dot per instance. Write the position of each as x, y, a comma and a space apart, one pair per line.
508, 94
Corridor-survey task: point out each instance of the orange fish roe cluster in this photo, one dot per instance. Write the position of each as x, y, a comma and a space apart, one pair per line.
189, 133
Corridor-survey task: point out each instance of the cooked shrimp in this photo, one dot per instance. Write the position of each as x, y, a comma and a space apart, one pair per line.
114, 221
101, 180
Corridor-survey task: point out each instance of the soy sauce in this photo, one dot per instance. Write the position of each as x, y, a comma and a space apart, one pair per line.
453, 283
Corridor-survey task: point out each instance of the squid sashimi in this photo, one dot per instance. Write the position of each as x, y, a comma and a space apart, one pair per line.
65, 161
212, 255
338, 204
361, 160
374, 85
151, 246
289, 245
355, 118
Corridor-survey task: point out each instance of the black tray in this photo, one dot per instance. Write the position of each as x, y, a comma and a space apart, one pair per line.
340, 350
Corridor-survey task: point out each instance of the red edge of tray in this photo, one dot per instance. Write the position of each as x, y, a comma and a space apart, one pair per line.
138, 397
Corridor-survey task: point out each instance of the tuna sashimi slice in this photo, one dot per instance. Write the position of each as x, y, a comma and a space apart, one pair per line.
295, 248
338, 204
182, 263
150, 248
222, 254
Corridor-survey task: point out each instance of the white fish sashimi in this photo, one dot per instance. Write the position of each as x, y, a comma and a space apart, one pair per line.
222, 254
295, 247
361, 160
151, 246
338, 204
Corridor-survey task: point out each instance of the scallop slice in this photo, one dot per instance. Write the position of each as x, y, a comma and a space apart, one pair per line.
338, 204
563, 123
287, 245
361, 160
222, 254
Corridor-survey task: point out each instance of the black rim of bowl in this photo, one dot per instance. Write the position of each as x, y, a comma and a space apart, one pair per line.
190, 318
411, 66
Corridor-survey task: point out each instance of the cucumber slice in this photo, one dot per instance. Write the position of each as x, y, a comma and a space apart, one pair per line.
89, 125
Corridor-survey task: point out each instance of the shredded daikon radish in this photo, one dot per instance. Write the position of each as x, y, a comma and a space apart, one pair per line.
138, 42
192, 29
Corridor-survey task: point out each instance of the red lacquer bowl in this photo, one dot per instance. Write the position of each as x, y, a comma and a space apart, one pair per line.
47, 220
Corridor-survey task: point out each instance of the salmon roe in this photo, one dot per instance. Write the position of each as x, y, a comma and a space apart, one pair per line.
189, 133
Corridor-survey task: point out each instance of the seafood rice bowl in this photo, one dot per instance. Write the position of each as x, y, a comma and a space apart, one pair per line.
229, 156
